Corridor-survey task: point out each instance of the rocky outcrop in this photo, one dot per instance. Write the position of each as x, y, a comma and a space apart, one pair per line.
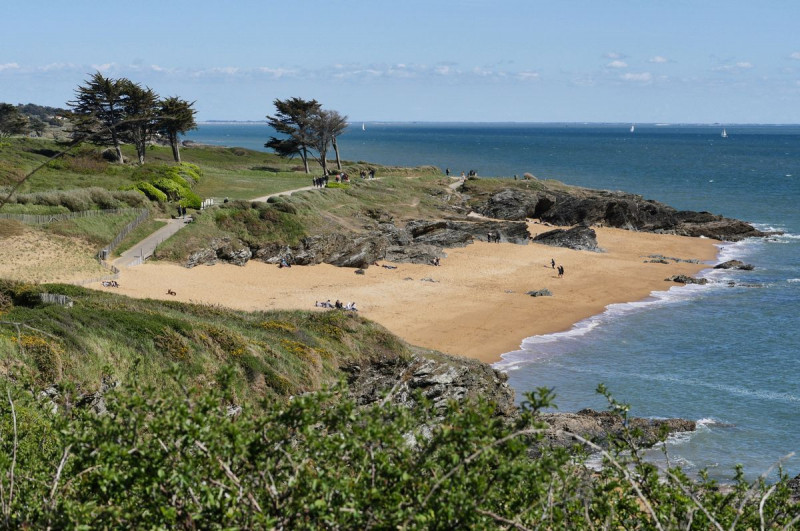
419, 242
224, 249
685, 279
601, 427
439, 378
580, 238
735, 264
562, 205
442, 378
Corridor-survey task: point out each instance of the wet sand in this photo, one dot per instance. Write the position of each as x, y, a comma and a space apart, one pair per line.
477, 305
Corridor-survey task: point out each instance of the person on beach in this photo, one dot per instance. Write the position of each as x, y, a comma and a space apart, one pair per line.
338, 304
447, 172
560, 271
553, 263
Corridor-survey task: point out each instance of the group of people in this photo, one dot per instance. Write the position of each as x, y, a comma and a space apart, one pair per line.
493, 237
560, 268
342, 178
110, 284
338, 305
365, 174
472, 173
320, 182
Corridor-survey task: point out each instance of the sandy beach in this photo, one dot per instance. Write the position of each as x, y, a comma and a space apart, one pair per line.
476, 304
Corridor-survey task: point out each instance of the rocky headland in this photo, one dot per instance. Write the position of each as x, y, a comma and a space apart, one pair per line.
502, 208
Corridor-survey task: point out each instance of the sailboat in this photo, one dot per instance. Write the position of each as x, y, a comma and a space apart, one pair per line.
724, 133
633, 127
363, 127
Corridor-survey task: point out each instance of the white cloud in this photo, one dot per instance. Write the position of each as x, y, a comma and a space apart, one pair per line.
614, 55
9, 66
659, 59
795, 55
276, 73
617, 64
735, 67
105, 67
642, 77
528, 76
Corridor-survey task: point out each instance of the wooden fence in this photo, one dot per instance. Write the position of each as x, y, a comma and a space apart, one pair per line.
144, 214
53, 298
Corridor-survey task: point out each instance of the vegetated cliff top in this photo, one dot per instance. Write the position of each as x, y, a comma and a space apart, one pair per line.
103, 335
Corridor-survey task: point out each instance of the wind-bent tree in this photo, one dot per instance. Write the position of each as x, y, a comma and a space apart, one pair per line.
337, 123
176, 117
12, 122
325, 125
293, 119
140, 112
99, 107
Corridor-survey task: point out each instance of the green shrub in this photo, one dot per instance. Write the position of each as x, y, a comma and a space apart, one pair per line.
103, 198
152, 193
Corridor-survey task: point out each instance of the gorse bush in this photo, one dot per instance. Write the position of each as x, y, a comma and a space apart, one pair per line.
189, 460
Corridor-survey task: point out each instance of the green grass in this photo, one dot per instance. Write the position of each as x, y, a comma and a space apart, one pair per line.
273, 353
138, 234
97, 230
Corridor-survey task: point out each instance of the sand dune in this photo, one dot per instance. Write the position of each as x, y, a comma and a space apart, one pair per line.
477, 305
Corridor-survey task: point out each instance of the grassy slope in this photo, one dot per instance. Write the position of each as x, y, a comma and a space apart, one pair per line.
273, 353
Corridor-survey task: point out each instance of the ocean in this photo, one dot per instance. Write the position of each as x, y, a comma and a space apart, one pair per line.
726, 357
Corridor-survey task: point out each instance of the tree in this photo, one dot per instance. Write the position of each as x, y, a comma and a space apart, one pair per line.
99, 107
325, 125
140, 108
38, 125
293, 119
12, 122
337, 124
176, 116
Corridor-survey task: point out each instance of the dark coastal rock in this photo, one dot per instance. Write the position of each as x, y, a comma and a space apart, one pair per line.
442, 378
580, 238
439, 377
735, 264
684, 279
601, 427
562, 205
224, 249
544, 292
343, 250
201, 256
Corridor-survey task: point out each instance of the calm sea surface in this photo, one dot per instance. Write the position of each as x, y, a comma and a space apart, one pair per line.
728, 357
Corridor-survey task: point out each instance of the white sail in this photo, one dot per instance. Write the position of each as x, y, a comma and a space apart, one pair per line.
633, 127
724, 133
363, 127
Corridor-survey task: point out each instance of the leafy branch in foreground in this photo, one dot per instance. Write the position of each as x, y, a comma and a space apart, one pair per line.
186, 459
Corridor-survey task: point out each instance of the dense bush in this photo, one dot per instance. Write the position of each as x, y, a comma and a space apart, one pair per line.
152, 193
189, 460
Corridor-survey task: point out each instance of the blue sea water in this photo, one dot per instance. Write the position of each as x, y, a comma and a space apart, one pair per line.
728, 357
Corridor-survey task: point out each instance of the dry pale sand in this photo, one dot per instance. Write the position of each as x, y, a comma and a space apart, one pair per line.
35, 256
477, 306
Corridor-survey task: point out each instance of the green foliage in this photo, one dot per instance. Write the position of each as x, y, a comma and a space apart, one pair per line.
152, 193
337, 185
183, 459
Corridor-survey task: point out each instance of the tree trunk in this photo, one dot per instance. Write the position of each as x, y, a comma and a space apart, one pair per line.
323, 162
304, 156
115, 140
176, 154
336, 150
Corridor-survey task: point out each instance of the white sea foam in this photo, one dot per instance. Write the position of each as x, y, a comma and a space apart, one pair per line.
537, 348
793, 280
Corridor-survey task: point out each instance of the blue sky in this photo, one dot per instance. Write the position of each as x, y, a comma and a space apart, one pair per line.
410, 60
